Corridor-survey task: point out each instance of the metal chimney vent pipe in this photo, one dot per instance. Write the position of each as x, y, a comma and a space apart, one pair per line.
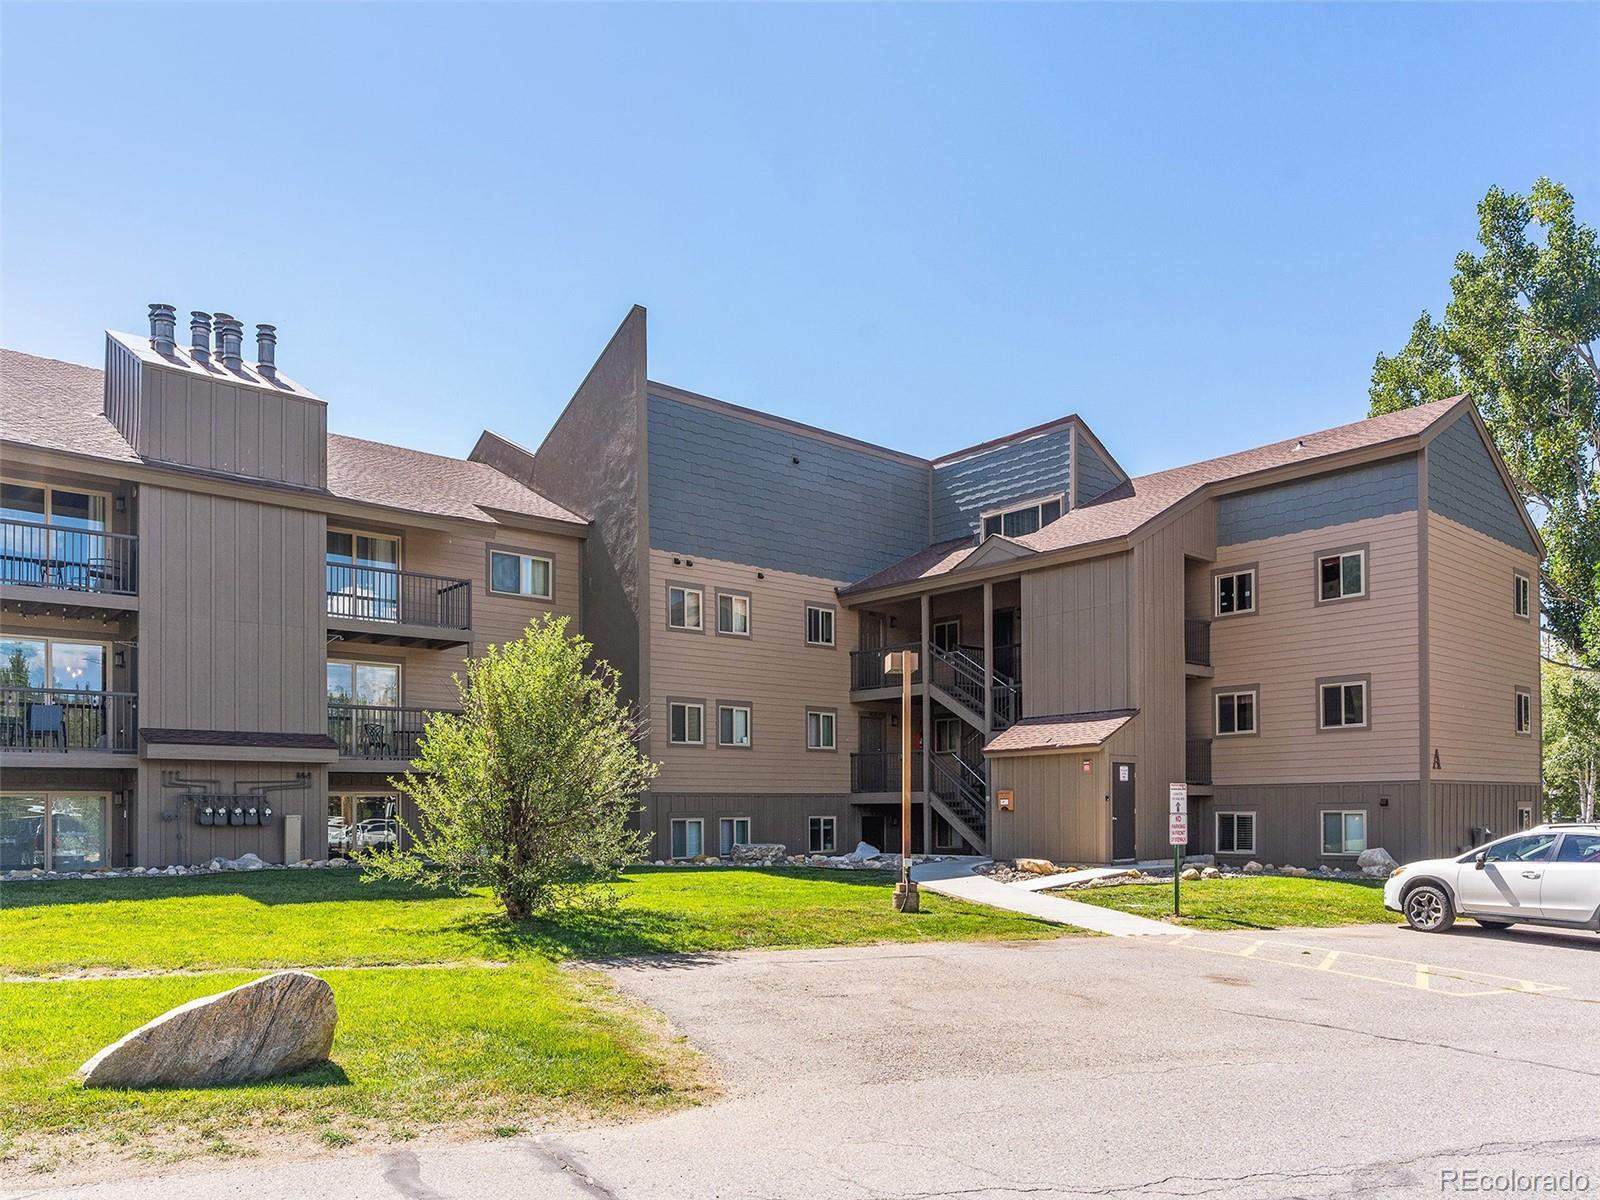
200, 336
230, 340
163, 328
266, 350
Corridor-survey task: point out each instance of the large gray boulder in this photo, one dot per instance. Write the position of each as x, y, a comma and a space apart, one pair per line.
272, 1026
760, 854
1376, 863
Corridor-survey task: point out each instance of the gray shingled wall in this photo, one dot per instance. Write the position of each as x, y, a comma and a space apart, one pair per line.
726, 487
1095, 475
1464, 485
964, 489
1356, 494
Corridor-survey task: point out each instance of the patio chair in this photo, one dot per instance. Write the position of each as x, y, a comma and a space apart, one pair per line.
374, 740
47, 720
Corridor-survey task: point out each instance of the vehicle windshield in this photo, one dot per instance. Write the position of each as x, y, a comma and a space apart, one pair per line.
1526, 847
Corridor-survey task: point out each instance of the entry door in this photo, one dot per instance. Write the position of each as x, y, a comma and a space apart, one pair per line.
1122, 828
1509, 883
1570, 889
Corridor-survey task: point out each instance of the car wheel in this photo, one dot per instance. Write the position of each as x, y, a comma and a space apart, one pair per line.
1428, 909
1486, 923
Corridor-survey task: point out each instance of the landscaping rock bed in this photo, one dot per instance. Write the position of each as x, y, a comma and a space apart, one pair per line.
1200, 866
214, 866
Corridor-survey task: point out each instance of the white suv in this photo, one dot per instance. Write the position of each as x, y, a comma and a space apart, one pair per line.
1548, 875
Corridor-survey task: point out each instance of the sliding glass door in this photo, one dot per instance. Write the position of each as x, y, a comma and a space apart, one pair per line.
53, 831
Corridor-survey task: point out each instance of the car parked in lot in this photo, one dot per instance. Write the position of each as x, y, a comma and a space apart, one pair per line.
1548, 875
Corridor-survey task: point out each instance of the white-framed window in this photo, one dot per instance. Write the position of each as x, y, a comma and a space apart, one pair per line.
1235, 592
1236, 713
946, 735
819, 625
68, 552
946, 634
513, 573
683, 607
54, 831
733, 614
1524, 712
687, 837
821, 835
1342, 575
375, 683
360, 821
732, 831
1236, 833
1022, 518
1342, 704
733, 725
1524, 816
1521, 596
820, 729
686, 723
363, 575
1344, 831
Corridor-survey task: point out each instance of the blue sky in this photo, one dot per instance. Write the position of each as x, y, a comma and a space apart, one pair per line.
921, 225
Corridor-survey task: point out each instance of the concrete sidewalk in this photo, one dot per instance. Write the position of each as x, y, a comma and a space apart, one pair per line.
959, 878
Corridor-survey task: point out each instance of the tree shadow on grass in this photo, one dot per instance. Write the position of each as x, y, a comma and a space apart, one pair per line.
622, 931
271, 888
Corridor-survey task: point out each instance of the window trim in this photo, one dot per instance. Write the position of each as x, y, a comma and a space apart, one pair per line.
933, 626
832, 824
1342, 552
1517, 694
354, 532
520, 552
749, 614
749, 833
685, 822
1235, 813
1366, 832
833, 715
684, 586
399, 678
1019, 506
1524, 811
833, 624
1366, 702
1521, 596
107, 645
1251, 569
50, 489
945, 723
1253, 690
686, 702
749, 724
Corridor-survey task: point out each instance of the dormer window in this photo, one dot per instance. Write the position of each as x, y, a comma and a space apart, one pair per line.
1023, 518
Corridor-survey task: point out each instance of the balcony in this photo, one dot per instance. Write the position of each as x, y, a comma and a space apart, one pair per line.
867, 671
1196, 642
880, 771
58, 720
398, 608
1197, 761
48, 567
377, 732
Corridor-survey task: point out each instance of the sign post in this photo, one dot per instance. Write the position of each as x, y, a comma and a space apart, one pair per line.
1177, 832
906, 899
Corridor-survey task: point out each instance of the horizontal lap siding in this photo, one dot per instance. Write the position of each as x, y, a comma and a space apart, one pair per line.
1292, 641
773, 669
1479, 652
775, 817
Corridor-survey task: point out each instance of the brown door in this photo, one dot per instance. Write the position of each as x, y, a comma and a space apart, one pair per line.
1123, 842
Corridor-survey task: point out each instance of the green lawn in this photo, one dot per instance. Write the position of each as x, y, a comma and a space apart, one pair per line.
460, 1022
1260, 902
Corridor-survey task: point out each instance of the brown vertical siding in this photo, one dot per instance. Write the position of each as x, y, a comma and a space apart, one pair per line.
1455, 808
1076, 637
1159, 566
1062, 812
773, 669
1291, 641
1289, 820
157, 842
232, 625
1479, 653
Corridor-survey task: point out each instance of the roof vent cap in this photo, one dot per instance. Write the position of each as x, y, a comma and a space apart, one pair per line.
200, 337
266, 351
163, 328
230, 340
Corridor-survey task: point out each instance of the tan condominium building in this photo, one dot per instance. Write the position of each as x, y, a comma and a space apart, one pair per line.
224, 628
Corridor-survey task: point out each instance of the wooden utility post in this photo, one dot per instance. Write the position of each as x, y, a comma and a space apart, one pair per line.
905, 892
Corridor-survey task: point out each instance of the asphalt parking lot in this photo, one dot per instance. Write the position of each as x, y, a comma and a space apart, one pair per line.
1366, 1061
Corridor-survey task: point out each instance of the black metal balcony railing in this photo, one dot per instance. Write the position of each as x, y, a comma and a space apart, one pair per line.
73, 560
60, 719
377, 731
879, 771
1197, 642
1197, 760
399, 597
866, 667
